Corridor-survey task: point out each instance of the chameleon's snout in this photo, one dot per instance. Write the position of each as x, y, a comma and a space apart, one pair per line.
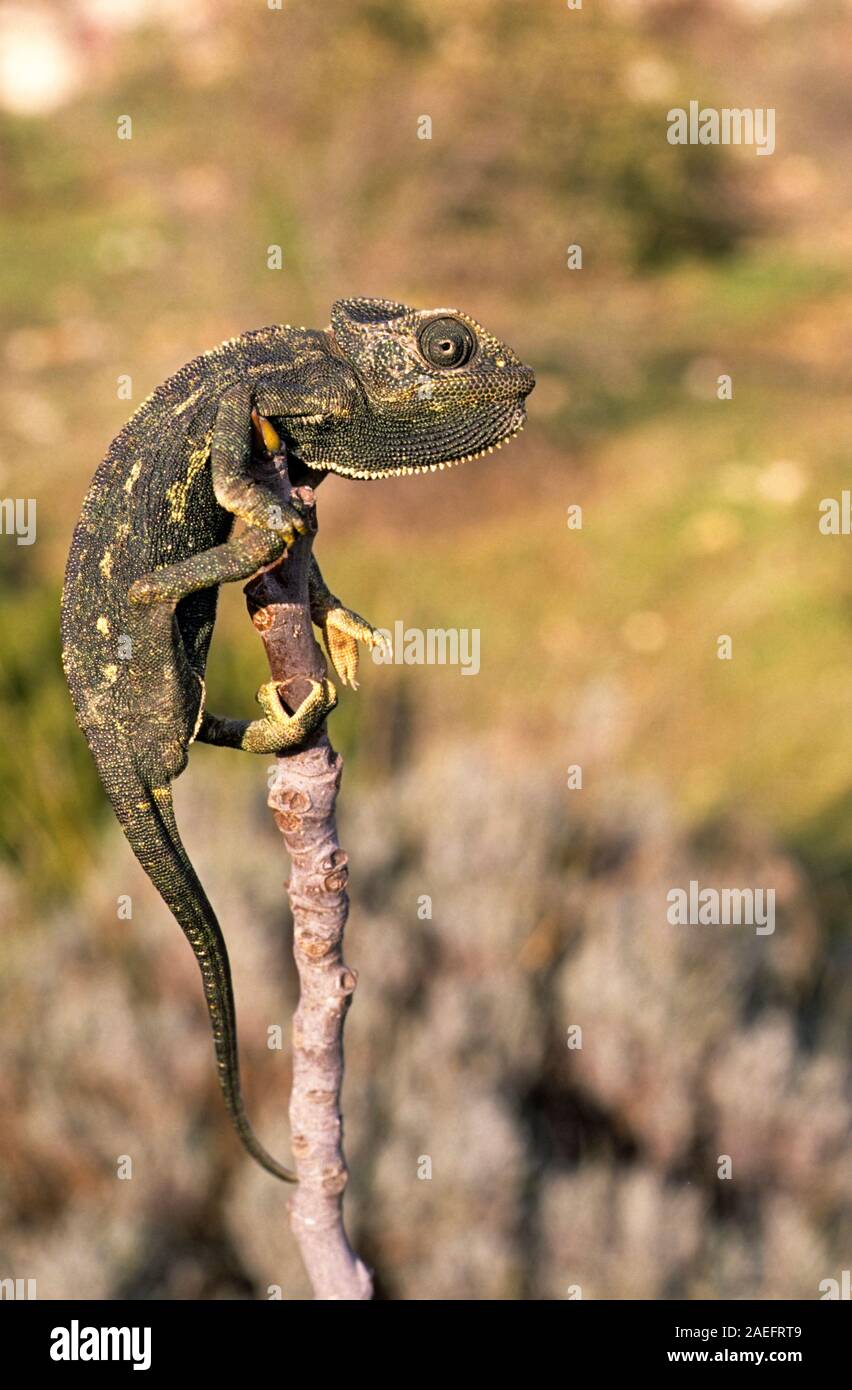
527, 381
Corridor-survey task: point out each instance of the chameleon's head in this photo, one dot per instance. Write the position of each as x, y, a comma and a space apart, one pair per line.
437, 389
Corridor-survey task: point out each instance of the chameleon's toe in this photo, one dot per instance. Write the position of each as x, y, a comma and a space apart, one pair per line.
270, 702
278, 729
313, 710
295, 519
322, 698
343, 630
284, 518
343, 651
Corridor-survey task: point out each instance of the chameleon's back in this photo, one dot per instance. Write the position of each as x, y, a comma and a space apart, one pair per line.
150, 504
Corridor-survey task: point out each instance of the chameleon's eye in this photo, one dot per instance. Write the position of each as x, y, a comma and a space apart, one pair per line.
447, 343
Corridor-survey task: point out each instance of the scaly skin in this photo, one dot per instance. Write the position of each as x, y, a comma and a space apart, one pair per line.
385, 390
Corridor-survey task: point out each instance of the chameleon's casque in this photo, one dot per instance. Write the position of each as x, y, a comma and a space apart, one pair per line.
385, 390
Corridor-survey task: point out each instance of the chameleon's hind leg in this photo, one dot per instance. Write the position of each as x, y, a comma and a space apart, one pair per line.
173, 692
278, 730
237, 558
342, 629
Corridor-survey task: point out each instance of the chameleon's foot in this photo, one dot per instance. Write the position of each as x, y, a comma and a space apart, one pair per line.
280, 730
286, 519
343, 630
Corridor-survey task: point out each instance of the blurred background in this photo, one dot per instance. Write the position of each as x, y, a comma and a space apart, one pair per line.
554, 1167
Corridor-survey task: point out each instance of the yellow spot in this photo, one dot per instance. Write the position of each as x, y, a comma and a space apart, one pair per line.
190, 401
103, 626
106, 564
160, 793
111, 674
200, 720
132, 476
177, 493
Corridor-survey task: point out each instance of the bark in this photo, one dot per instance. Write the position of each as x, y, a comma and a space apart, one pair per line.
302, 797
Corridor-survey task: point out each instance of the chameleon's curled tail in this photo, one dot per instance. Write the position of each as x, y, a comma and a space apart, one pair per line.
153, 834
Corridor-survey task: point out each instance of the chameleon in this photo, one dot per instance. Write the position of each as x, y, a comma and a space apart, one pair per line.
384, 390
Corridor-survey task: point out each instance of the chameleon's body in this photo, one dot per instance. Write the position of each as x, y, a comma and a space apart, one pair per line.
385, 390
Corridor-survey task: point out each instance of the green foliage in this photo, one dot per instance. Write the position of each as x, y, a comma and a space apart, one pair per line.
51, 797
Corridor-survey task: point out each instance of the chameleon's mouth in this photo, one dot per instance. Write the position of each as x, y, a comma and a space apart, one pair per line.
518, 421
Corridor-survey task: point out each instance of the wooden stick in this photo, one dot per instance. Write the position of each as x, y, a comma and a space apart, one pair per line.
303, 796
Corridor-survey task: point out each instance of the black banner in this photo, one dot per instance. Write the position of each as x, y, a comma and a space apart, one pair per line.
63, 1339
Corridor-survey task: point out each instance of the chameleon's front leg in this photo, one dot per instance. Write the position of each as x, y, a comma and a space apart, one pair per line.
342, 629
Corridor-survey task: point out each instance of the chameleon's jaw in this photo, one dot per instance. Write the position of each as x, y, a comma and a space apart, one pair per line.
352, 471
